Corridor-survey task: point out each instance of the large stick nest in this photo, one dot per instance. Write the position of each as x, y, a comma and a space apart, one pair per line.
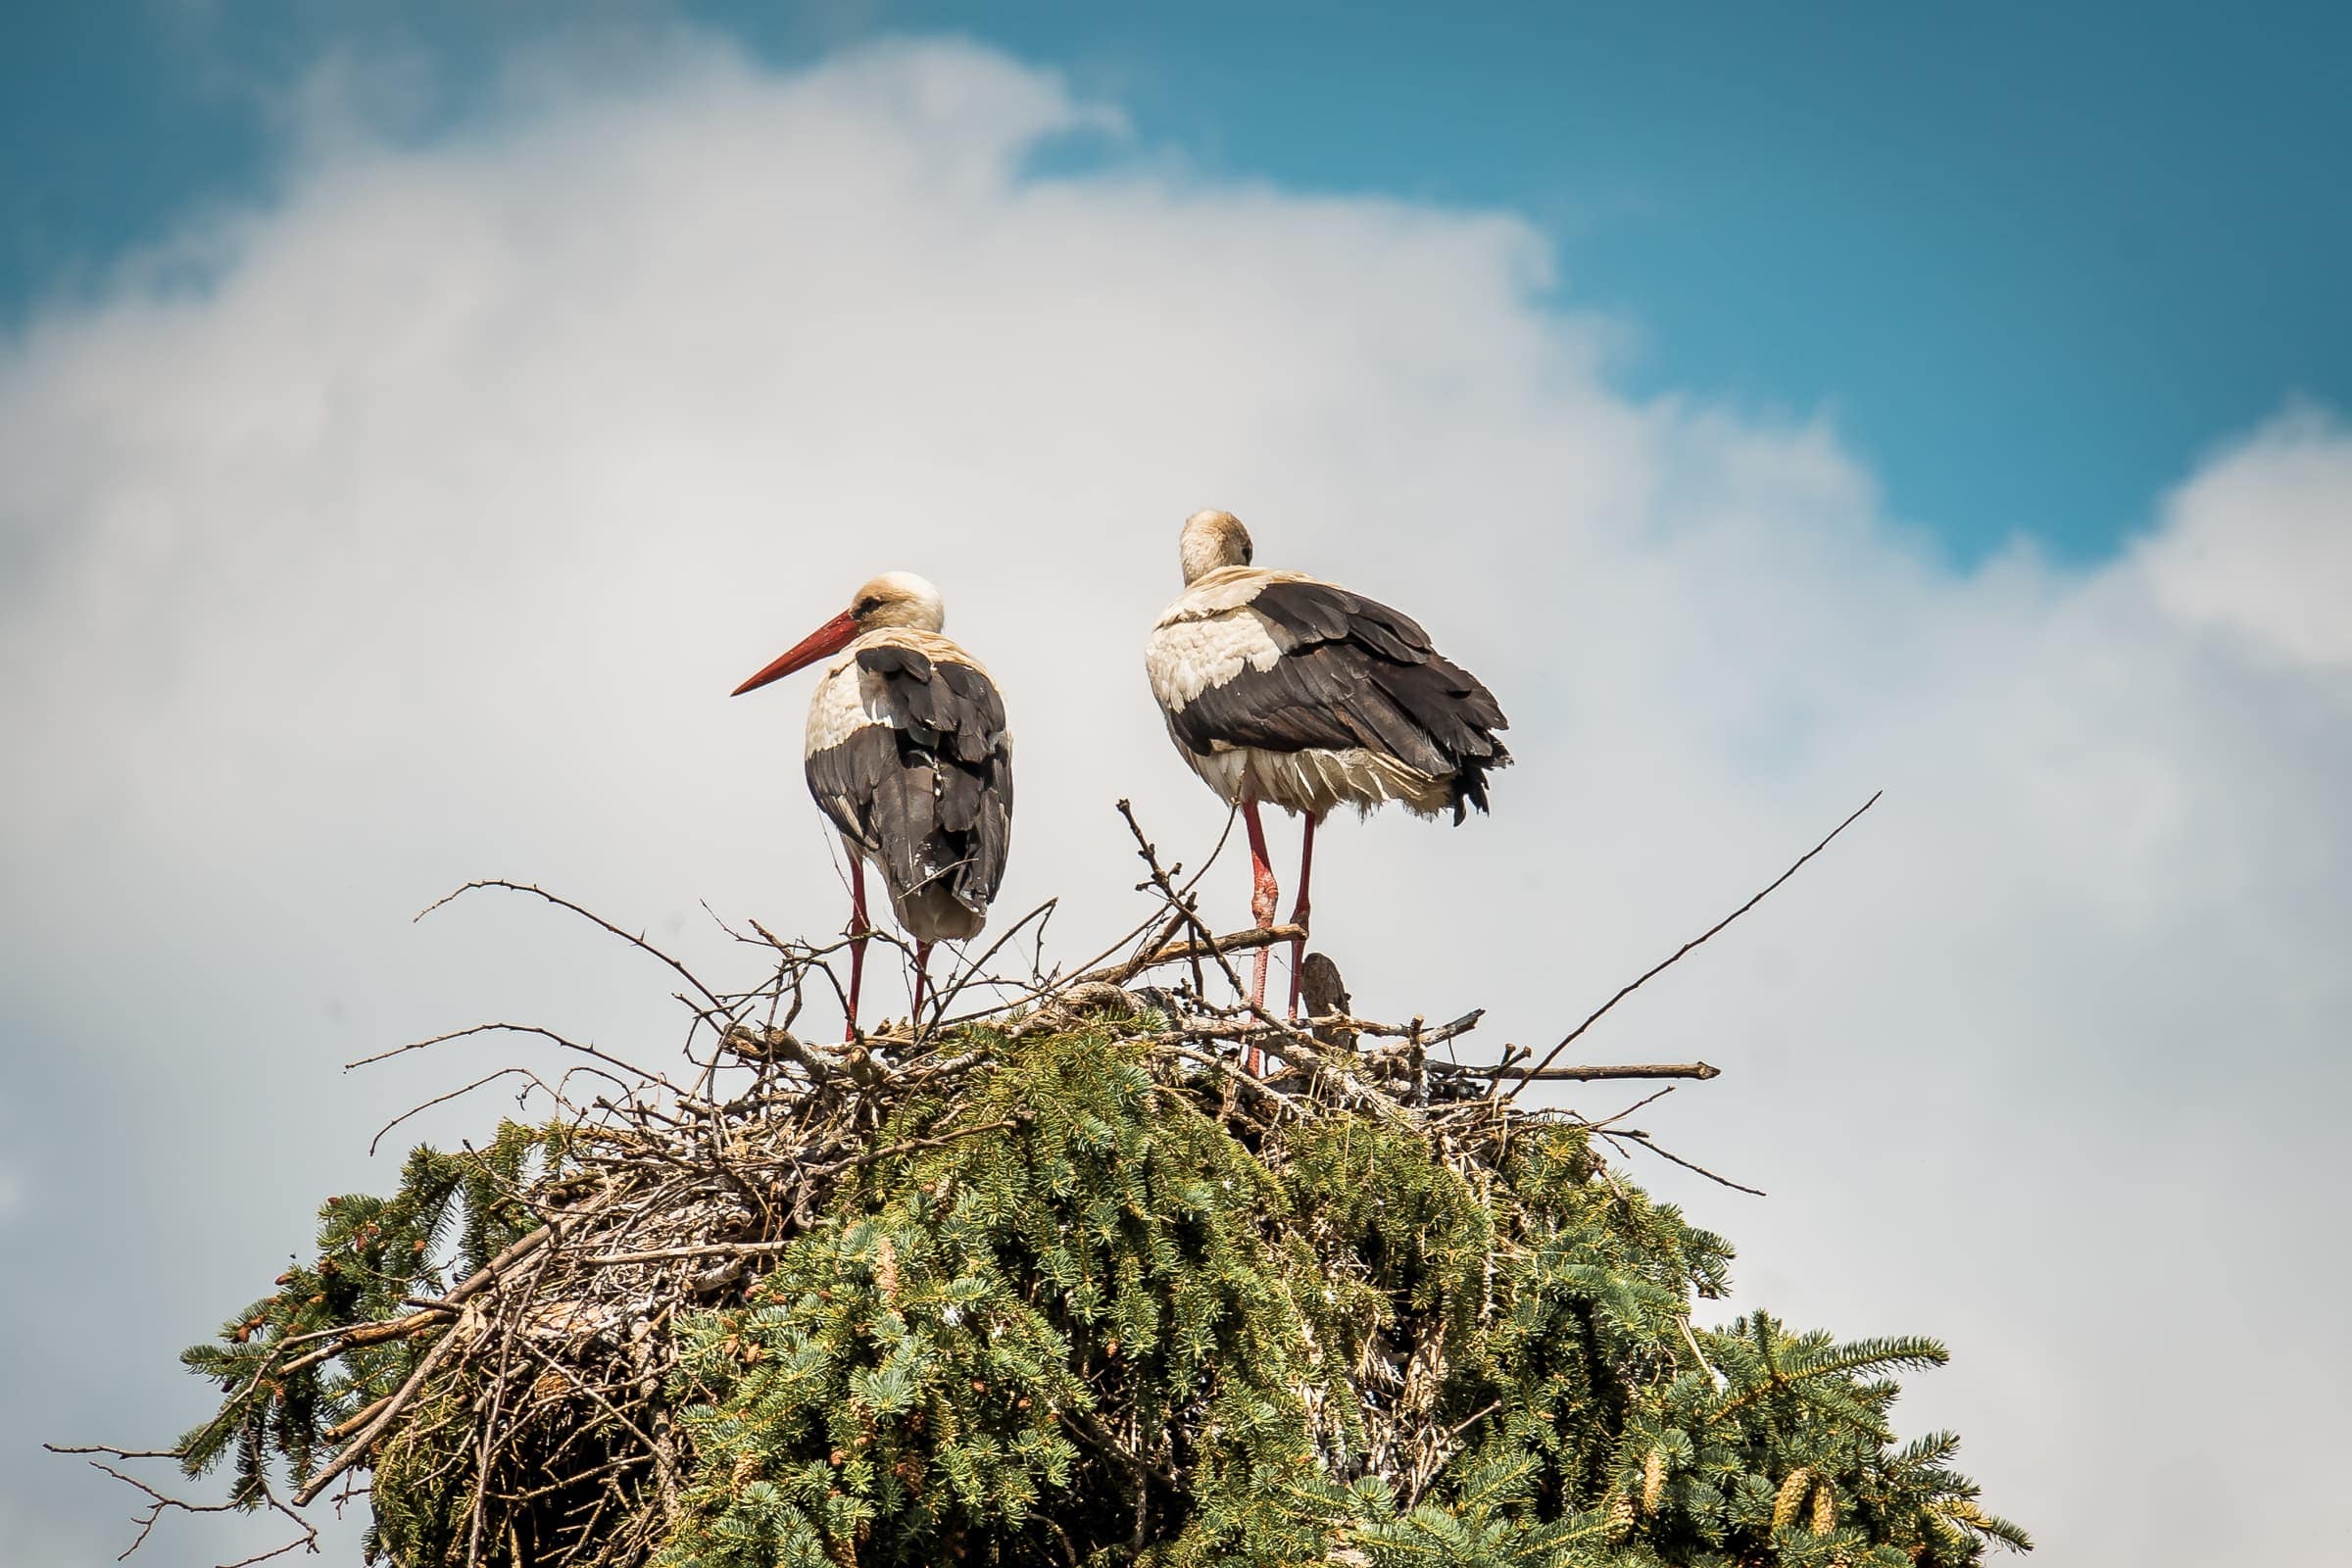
1054, 1281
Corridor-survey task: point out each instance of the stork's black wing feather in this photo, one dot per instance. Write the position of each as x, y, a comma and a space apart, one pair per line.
933, 799
1359, 675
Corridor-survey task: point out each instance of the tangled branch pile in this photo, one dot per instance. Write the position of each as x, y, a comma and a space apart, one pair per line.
1057, 1285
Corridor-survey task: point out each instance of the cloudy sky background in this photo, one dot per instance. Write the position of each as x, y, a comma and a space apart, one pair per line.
397, 508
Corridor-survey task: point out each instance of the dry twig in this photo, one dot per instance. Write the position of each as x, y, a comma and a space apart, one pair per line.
1675, 957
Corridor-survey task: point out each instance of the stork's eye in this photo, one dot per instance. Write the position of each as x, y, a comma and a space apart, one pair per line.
866, 606
1248, 554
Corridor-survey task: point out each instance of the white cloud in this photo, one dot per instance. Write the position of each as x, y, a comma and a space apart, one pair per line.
422, 540
2259, 543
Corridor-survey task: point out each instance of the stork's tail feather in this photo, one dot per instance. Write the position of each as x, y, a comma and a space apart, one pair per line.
1470, 781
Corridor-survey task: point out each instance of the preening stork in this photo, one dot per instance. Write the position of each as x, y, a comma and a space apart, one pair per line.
1280, 688
909, 755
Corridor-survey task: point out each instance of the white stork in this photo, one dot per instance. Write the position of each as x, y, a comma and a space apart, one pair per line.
909, 755
1280, 688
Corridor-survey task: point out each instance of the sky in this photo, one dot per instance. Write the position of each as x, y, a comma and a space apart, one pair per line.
2032, 258
408, 435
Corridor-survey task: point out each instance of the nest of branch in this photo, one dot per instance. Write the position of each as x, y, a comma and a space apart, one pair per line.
1056, 1282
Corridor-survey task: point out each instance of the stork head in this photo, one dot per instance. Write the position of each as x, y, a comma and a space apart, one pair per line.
1212, 539
898, 598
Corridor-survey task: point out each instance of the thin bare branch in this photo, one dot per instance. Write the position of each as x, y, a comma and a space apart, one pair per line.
1671, 958
1583, 1075
636, 941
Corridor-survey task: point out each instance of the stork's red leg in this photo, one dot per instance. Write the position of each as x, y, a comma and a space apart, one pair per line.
1298, 911
1264, 894
922, 972
1262, 899
858, 932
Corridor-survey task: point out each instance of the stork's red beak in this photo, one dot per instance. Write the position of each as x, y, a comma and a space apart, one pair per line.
830, 638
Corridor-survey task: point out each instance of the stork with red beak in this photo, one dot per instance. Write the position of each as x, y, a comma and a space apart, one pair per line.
909, 755
1284, 689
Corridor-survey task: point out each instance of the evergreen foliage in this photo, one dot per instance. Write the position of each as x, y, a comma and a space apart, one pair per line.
1083, 1299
